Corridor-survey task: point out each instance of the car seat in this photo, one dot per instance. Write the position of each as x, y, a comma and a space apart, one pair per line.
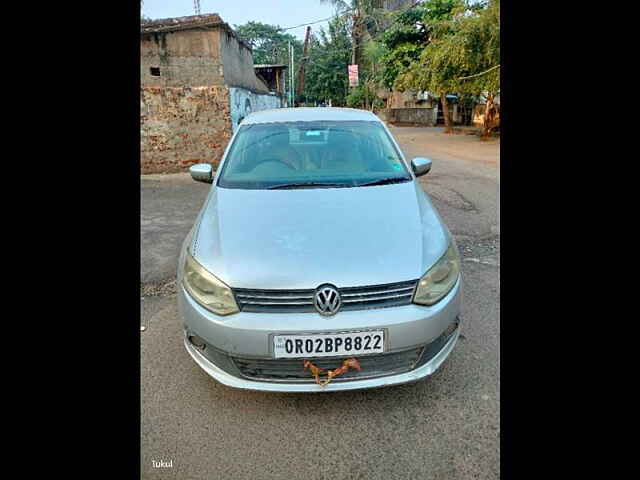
343, 154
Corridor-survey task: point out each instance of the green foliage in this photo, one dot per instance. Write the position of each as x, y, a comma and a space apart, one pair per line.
428, 47
374, 51
356, 97
397, 60
463, 46
363, 96
407, 37
367, 13
326, 74
268, 42
363, 20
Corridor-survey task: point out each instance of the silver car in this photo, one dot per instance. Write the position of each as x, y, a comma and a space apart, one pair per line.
317, 262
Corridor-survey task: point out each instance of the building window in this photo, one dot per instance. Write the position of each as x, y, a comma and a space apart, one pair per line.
155, 71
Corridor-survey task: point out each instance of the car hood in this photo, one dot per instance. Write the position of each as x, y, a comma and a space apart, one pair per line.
299, 239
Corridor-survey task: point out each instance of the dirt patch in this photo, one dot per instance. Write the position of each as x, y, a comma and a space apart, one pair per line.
159, 289
465, 145
479, 248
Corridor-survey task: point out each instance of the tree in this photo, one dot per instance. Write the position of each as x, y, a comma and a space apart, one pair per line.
372, 79
365, 16
409, 34
329, 55
269, 43
463, 55
363, 96
406, 38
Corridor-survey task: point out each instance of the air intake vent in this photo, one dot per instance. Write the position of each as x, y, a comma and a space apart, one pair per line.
292, 370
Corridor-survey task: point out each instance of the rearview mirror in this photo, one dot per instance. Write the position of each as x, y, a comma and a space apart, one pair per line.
421, 166
202, 172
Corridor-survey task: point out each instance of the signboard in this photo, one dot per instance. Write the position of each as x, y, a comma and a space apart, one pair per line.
353, 75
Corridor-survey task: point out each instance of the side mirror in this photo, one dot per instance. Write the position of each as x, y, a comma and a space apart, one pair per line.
421, 166
202, 172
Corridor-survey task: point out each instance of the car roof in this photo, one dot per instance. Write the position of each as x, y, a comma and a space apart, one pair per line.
306, 114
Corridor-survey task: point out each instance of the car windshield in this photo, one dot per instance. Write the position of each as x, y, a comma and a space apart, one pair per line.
322, 154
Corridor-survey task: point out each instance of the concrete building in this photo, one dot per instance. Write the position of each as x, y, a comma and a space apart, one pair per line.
197, 83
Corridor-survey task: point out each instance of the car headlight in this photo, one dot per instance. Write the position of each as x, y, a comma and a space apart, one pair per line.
440, 278
206, 289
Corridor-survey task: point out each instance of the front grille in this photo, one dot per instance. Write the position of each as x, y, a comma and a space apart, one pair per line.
292, 369
301, 301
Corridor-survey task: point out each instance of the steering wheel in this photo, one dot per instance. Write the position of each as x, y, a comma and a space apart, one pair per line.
274, 159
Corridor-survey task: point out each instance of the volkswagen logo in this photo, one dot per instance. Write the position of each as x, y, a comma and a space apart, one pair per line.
327, 300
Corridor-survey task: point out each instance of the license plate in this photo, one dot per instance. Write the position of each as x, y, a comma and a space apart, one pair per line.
328, 345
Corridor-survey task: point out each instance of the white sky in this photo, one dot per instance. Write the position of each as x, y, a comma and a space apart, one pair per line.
285, 13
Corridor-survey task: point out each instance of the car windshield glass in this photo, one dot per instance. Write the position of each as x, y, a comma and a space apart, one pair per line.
320, 154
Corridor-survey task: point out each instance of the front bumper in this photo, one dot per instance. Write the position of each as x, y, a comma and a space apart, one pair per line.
250, 335
408, 377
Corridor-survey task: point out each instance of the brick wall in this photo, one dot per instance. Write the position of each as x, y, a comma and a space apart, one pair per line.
186, 108
181, 126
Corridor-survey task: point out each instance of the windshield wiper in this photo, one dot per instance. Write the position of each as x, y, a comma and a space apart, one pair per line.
384, 181
305, 184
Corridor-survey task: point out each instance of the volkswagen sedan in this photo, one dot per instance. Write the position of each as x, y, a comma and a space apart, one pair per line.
317, 262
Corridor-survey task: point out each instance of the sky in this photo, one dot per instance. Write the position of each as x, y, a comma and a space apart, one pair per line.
285, 13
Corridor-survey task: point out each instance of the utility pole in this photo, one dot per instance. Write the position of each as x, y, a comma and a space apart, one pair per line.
196, 6
289, 72
303, 61
292, 93
355, 35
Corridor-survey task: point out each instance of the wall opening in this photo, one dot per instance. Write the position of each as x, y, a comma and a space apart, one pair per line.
155, 71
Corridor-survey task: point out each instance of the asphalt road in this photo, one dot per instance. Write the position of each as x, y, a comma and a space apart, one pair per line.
445, 427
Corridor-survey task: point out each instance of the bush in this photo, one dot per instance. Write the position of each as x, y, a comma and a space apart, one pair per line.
362, 97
